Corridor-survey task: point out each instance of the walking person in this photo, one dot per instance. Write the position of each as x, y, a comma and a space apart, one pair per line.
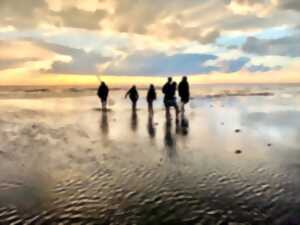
133, 95
184, 92
151, 97
169, 90
102, 93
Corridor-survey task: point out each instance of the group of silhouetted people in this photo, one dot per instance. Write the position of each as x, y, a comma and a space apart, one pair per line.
169, 90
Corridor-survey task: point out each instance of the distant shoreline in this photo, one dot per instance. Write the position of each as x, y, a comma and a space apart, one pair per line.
200, 90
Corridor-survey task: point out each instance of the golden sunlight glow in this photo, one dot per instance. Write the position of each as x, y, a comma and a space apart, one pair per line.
21, 77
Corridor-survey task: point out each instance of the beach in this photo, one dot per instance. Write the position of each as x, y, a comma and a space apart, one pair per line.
232, 158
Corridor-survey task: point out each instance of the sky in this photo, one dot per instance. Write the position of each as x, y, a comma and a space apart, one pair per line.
58, 42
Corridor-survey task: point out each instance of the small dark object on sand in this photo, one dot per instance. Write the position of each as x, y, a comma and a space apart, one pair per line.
222, 123
238, 151
269, 145
223, 223
237, 131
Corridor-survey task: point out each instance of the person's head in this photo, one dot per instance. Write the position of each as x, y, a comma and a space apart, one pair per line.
151, 86
134, 87
169, 79
184, 78
174, 84
102, 83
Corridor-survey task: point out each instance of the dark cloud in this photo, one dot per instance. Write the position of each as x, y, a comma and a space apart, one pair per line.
30, 13
154, 63
250, 2
289, 4
82, 62
76, 18
234, 65
287, 46
10, 58
15, 63
23, 14
177, 30
262, 68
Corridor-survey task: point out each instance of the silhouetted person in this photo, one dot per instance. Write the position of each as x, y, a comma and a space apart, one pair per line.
151, 96
133, 95
169, 90
184, 92
102, 93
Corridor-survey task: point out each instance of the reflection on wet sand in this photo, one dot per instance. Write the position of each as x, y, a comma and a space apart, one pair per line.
134, 120
181, 128
104, 123
151, 127
169, 140
170, 137
184, 125
122, 180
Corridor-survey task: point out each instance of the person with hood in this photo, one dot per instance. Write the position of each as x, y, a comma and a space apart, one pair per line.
151, 97
133, 95
184, 92
102, 93
169, 90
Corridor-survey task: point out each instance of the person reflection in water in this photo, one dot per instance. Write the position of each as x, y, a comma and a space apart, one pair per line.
134, 96
184, 92
169, 139
151, 96
102, 93
134, 120
184, 125
151, 127
169, 90
104, 123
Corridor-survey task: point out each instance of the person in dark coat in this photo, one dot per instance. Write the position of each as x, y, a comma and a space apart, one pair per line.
151, 96
169, 90
133, 95
184, 92
102, 93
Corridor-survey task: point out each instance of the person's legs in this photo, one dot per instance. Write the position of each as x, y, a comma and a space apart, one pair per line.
150, 107
176, 110
168, 114
134, 105
167, 108
103, 104
182, 106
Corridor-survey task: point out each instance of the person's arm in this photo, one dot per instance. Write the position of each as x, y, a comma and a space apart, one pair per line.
164, 89
127, 93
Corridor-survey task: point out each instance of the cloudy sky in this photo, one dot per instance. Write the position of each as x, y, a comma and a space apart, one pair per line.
59, 41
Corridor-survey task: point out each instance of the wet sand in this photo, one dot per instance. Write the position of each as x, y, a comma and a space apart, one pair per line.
231, 159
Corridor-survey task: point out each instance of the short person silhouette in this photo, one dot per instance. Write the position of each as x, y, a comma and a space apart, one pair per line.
133, 95
102, 93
